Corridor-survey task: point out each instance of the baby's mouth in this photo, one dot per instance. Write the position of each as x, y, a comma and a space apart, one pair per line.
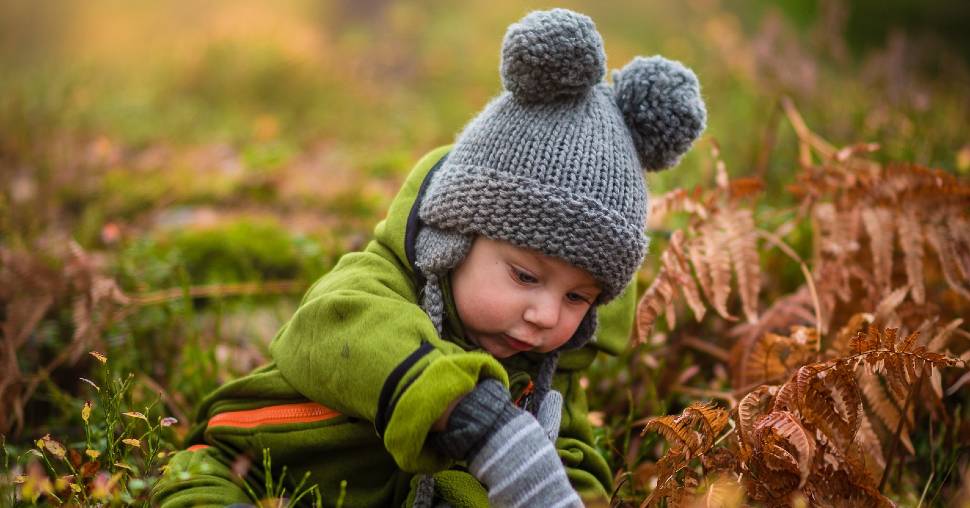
517, 344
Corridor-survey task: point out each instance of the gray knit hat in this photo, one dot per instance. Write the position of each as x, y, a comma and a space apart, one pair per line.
555, 162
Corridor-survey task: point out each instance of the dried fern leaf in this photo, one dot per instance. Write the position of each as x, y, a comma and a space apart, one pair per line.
885, 315
738, 225
753, 406
841, 344
680, 272
884, 406
654, 301
871, 448
878, 224
796, 443
677, 200
712, 421
948, 256
674, 428
826, 404
772, 357
717, 262
911, 243
939, 341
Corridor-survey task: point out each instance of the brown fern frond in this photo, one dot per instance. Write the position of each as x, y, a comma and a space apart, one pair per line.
871, 448
911, 243
792, 309
885, 315
878, 224
841, 344
695, 429
716, 262
753, 406
742, 243
829, 486
949, 258
659, 297
681, 273
712, 418
677, 200
786, 443
674, 428
875, 347
942, 336
824, 397
771, 358
885, 407
865, 340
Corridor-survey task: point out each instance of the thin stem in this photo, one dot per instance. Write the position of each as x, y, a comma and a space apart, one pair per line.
702, 392
706, 347
899, 429
214, 290
809, 280
925, 488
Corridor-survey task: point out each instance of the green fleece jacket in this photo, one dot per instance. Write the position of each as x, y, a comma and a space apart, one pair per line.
360, 346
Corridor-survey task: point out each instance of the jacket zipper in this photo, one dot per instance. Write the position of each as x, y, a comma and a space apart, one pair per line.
303, 412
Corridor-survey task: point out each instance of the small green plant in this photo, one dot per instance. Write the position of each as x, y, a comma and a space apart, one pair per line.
116, 463
276, 494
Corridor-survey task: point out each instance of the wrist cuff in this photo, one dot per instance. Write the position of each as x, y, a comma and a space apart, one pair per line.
484, 409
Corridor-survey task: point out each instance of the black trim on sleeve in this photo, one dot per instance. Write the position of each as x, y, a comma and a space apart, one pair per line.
385, 406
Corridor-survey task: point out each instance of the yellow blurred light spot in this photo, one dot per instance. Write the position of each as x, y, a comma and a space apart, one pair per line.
86, 411
92, 453
132, 442
963, 159
101, 357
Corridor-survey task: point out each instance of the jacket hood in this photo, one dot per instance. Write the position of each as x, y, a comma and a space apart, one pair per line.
399, 230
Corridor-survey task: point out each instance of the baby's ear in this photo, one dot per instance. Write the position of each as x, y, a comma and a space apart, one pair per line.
662, 106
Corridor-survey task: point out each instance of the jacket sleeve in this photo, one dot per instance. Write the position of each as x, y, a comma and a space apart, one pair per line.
586, 467
360, 344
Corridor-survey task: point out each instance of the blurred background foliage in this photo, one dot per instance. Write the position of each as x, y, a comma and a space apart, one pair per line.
185, 144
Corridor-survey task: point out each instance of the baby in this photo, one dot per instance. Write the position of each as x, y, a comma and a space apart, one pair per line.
440, 366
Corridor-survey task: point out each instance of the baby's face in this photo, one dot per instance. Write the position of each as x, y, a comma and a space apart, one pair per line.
512, 299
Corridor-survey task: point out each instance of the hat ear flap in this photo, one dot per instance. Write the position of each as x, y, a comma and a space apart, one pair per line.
661, 104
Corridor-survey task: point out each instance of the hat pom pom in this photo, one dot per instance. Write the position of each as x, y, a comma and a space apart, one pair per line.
551, 55
661, 103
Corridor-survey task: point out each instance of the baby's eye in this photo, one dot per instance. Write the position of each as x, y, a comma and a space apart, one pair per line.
523, 277
576, 297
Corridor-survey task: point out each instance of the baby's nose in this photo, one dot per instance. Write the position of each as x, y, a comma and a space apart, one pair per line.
544, 312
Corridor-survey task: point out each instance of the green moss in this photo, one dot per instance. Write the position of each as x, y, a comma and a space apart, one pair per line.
246, 249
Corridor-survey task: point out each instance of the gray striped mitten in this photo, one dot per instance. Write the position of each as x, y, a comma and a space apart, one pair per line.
507, 450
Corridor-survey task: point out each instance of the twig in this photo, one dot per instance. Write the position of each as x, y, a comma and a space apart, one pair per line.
805, 135
706, 347
703, 392
925, 488
214, 290
899, 429
172, 404
809, 280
